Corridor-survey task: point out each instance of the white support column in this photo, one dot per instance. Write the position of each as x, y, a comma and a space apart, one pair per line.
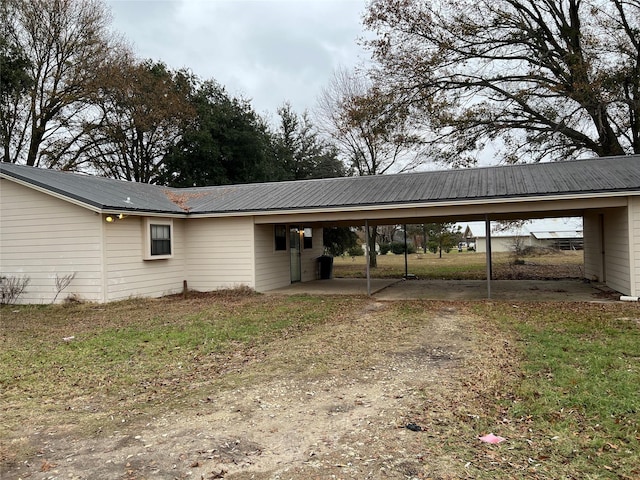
406, 255
368, 254
487, 227
633, 220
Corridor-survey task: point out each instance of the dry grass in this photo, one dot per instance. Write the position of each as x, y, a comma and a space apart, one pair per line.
501, 368
466, 266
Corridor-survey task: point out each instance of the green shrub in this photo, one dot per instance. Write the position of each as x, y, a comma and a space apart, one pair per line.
355, 251
398, 248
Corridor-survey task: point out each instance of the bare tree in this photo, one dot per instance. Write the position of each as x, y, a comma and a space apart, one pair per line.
374, 134
143, 110
65, 42
545, 79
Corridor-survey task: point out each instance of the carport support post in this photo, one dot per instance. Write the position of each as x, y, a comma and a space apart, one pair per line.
487, 227
406, 262
366, 229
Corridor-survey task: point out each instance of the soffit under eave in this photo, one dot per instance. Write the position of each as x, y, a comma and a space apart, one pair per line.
503, 210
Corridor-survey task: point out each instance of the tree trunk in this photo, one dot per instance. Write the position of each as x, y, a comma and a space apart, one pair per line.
34, 145
373, 257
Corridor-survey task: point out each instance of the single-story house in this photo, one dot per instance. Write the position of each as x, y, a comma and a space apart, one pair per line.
123, 239
561, 233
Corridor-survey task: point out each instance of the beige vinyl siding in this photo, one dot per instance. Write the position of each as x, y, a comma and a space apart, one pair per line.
634, 238
128, 274
42, 236
272, 267
592, 234
220, 253
616, 246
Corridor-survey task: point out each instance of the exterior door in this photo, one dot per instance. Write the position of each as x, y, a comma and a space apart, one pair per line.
294, 248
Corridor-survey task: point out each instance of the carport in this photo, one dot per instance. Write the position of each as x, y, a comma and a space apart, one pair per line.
605, 192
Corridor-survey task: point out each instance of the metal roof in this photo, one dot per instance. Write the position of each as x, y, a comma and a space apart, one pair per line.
99, 192
588, 176
575, 234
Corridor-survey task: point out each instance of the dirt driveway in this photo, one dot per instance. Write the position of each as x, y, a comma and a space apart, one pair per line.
373, 411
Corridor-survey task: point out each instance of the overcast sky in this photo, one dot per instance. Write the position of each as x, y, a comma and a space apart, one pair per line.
268, 51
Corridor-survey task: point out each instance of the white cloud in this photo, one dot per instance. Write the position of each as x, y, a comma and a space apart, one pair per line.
270, 51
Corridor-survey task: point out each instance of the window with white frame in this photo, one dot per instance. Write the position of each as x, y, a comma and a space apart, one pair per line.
158, 239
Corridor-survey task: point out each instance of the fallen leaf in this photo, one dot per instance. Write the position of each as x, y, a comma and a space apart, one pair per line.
219, 474
46, 466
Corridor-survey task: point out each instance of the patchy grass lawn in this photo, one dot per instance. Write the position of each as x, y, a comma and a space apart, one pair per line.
139, 353
558, 381
466, 266
567, 397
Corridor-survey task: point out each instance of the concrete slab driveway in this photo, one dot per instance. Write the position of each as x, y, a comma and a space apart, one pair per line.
501, 290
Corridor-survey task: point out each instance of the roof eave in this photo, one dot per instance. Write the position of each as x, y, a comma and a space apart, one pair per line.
86, 203
416, 204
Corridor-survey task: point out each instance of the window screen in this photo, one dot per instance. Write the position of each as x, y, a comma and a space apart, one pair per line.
160, 240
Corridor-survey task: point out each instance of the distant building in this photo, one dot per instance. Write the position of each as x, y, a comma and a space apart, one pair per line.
561, 233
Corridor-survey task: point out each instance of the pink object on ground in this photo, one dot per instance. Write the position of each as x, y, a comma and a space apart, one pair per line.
491, 438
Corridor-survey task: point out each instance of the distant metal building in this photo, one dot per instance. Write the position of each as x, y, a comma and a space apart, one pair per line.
560, 233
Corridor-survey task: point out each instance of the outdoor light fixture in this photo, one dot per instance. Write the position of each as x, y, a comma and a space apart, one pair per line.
113, 218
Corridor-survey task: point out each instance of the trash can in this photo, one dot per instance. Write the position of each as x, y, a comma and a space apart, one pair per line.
325, 267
